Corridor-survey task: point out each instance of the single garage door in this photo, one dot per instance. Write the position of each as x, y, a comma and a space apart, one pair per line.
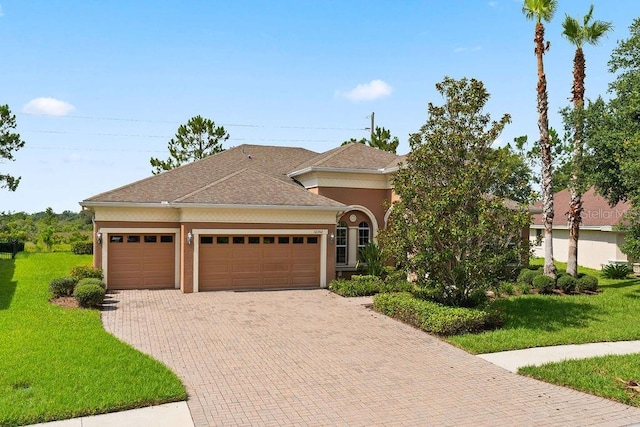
141, 261
258, 262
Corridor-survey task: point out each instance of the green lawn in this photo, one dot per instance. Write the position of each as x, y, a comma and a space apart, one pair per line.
543, 320
58, 363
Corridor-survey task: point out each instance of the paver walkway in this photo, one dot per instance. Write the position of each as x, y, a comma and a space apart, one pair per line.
313, 358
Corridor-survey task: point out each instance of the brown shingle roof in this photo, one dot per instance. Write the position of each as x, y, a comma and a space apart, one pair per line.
247, 174
596, 213
350, 156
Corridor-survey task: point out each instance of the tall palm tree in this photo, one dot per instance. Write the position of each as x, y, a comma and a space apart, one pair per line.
578, 35
543, 10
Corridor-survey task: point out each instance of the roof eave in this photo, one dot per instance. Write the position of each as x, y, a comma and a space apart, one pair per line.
208, 205
381, 171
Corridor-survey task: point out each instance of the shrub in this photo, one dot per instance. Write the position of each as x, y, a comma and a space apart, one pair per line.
89, 295
62, 286
616, 271
526, 276
587, 283
82, 248
92, 281
395, 281
523, 288
372, 259
356, 287
566, 282
87, 271
506, 288
544, 284
430, 316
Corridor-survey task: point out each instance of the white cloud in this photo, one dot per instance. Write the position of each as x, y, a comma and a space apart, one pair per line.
48, 106
467, 49
367, 91
492, 3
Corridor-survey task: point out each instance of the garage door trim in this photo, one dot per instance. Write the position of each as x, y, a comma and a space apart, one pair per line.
105, 246
196, 232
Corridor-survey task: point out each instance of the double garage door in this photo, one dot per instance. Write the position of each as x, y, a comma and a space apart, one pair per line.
141, 261
239, 262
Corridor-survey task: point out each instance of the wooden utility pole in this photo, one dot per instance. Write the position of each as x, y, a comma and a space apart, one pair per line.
372, 124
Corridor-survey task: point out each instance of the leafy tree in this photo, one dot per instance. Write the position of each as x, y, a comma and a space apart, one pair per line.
10, 142
447, 228
516, 178
380, 139
543, 10
195, 140
47, 236
579, 34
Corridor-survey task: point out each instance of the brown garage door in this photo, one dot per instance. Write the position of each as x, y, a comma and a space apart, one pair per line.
258, 262
141, 261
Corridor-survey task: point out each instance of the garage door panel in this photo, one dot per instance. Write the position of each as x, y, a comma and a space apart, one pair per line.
140, 261
281, 267
244, 267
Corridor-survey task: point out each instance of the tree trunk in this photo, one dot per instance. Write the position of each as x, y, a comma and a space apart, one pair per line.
574, 216
545, 151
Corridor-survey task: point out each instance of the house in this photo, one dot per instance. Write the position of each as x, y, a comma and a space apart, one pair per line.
599, 242
251, 217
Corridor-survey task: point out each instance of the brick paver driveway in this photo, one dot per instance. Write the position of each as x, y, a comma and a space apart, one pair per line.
314, 358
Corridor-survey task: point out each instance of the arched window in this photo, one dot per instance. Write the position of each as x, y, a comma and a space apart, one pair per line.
364, 234
341, 243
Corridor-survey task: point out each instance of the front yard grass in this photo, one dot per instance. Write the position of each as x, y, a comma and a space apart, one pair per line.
544, 320
58, 363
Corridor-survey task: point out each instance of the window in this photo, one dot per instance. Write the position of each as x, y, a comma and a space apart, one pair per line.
206, 240
150, 239
222, 240
364, 234
312, 240
115, 239
268, 240
166, 239
538, 241
283, 240
254, 240
298, 240
341, 243
133, 239
238, 240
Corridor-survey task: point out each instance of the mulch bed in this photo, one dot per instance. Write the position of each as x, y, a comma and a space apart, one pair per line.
66, 302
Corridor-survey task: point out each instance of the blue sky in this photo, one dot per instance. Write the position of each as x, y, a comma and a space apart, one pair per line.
99, 87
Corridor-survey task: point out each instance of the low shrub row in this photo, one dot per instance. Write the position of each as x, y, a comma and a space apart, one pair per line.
567, 284
84, 284
365, 285
82, 248
433, 317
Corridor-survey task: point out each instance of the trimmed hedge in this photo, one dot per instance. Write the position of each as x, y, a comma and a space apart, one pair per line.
527, 275
544, 284
89, 295
587, 283
86, 271
62, 286
358, 286
432, 317
567, 283
92, 281
84, 248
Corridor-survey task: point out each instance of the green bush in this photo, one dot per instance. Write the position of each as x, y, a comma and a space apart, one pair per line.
506, 288
430, 316
89, 295
526, 276
62, 286
523, 288
372, 259
82, 248
397, 286
358, 286
587, 283
566, 282
616, 271
87, 271
92, 281
544, 284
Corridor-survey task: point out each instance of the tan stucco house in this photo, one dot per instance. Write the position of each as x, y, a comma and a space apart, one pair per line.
599, 242
251, 217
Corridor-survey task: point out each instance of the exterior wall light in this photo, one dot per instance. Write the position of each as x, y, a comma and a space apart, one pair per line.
332, 238
189, 238
99, 237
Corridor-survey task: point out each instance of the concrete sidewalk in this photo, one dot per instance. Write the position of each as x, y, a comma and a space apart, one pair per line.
168, 415
512, 360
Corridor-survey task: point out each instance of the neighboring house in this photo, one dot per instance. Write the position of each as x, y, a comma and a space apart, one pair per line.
599, 242
251, 217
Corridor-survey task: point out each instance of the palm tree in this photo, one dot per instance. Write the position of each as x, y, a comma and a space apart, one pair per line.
543, 10
578, 35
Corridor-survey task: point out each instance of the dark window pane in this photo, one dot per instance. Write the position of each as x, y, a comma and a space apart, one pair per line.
133, 239
115, 239
298, 240
341, 255
150, 239
312, 240
253, 240
166, 239
222, 240
206, 240
268, 240
283, 240
238, 240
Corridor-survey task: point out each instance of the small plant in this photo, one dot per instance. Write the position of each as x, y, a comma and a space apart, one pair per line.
587, 283
92, 281
616, 271
372, 259
87, 271
506, 288
544, 284
527, 275
82, 248
523, 288
567, 283
90, 295
62, 286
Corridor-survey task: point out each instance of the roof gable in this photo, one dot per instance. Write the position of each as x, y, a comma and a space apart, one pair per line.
352, 156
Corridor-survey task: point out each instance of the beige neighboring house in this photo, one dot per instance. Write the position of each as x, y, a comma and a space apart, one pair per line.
251, 217
599, 243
